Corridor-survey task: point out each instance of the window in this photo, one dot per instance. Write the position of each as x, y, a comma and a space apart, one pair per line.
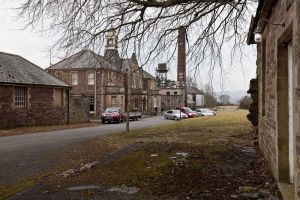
175, 93
20, 97
168, 102
58, 97
91, 78
59, 75
112, 78
74, 78
136, 103
92, 108
122, 101
114, 101
168, 93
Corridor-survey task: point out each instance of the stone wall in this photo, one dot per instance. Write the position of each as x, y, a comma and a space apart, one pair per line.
272, 62
79, 109
40, 109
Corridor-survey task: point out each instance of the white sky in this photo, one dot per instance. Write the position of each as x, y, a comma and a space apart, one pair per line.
35, 48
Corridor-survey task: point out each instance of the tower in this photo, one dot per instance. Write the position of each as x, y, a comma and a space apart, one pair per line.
111, 49
111, 40
162, 71
181, 63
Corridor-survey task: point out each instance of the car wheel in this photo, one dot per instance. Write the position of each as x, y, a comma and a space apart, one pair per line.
136, 118
103, 121
176, 118
118, 121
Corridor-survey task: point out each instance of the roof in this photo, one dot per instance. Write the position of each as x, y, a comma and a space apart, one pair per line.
148, 75
15, 69
193, 90
84, 59
263, 10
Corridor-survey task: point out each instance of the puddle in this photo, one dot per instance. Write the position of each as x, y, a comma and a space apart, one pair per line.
84, 187
124, 189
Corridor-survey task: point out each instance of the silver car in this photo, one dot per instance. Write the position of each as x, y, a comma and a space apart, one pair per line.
205, 112
175, 114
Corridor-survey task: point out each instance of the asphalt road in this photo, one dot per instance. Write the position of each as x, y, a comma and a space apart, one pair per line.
22, 156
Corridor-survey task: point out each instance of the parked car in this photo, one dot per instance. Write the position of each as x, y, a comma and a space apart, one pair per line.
134, 115
175, 114
190, 113
114, 114
205, 112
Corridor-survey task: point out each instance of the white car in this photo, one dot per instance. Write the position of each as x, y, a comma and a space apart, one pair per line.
205, 112
175, 114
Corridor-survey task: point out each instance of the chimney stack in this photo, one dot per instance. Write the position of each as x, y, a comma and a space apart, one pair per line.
181, 63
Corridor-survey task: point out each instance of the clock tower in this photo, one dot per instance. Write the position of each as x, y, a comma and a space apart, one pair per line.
111, 53
111, 40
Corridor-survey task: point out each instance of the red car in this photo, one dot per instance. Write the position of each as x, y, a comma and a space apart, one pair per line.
113, 114
190, 113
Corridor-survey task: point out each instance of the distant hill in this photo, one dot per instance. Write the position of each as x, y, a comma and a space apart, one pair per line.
235, 95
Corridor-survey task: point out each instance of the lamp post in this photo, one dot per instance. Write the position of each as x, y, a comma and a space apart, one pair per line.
126, 85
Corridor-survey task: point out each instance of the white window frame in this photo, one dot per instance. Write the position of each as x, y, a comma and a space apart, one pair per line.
114, 101
20, 97
91, 78
74, 78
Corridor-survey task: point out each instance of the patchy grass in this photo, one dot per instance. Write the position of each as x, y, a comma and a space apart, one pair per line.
218, 161
10, 190
35, 129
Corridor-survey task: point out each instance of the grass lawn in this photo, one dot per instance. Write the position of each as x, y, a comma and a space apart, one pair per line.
200, 158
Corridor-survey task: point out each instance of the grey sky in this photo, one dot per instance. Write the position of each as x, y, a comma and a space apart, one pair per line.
35, 47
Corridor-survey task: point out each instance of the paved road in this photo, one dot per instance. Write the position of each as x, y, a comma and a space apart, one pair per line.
25, 155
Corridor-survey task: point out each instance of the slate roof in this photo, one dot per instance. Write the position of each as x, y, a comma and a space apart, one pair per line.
83, 59
15, 69
193, 90
148, 75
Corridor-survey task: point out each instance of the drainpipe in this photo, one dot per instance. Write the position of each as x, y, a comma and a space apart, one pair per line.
95, 97
68, 106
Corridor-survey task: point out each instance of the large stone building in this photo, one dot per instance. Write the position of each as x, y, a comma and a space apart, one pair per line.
276, 30
102, 79
29, 95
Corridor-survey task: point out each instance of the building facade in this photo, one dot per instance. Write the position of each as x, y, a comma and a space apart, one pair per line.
103, 79
30, 96
277, 29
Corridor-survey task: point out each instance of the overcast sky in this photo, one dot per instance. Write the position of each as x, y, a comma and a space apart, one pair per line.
35, 47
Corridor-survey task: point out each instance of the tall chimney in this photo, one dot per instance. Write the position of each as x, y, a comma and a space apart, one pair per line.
181, 63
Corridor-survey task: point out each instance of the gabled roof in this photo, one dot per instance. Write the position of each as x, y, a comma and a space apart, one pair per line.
15, 69
148, 75
193, 90
83, 59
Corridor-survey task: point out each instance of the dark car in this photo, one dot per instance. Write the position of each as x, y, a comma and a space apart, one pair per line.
190, 113
114, 114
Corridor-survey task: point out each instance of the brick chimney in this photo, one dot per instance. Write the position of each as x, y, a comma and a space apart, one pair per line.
181, 62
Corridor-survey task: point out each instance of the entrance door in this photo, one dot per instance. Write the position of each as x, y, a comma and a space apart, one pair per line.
291, 113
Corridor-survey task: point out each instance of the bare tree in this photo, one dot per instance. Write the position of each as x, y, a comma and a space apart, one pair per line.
151, 24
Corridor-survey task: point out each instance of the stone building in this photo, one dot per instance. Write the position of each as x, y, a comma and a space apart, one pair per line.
102, 79
29, 95
277, 34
